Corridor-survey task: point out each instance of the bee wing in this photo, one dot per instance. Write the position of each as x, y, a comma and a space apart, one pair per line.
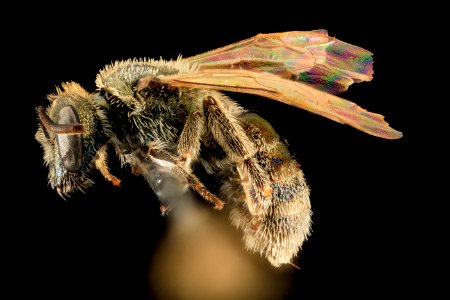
311, 57
290, 92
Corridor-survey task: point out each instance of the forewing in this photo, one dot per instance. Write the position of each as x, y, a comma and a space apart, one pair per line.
311, 57
290, 92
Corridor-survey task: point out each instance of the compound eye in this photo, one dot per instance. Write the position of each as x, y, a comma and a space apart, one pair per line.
70, 146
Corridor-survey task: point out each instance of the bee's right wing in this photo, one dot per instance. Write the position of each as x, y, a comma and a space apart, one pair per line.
290, 92
311, 57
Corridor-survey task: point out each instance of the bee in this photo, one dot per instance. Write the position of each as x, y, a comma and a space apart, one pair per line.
165, 119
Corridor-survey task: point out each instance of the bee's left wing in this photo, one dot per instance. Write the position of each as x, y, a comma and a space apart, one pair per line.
290, 92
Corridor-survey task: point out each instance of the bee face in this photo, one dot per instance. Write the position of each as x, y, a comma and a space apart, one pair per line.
72, 130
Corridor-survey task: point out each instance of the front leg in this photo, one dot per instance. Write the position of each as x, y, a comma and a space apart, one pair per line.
100, 162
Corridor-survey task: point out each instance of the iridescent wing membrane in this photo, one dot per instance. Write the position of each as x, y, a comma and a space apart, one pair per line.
300, 68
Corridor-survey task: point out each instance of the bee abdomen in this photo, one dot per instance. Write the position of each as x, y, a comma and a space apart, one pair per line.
287, 224
278, 230
278, 233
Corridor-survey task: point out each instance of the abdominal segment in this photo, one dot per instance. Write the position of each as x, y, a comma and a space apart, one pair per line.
275, 223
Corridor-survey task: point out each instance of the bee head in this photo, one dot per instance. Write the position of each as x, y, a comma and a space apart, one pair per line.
71, 131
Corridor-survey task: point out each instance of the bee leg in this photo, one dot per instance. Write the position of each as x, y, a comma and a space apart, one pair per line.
227, 131
165, 159
101, 164
231, 136
189, 142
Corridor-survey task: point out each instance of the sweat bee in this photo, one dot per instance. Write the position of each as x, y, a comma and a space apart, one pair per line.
163, 118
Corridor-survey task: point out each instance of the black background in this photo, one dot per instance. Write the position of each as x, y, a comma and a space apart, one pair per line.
368, 231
